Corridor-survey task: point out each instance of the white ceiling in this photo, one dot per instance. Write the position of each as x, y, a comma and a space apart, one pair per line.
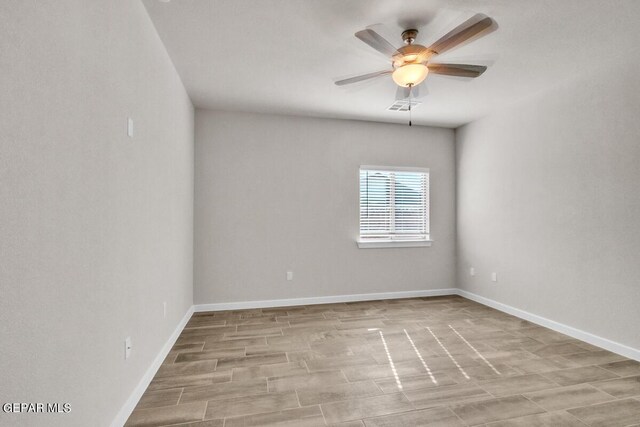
282, 56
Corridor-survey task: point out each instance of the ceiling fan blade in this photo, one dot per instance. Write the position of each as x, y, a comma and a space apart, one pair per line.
458, 70
363, 77
402, 93
406, 93
463, 32
377, 42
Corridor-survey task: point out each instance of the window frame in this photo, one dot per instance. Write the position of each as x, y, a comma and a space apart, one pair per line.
395, 241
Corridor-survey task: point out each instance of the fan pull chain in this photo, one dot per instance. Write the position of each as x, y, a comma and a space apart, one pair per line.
410, 87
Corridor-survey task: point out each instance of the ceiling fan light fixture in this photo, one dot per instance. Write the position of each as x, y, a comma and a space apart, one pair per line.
410, 74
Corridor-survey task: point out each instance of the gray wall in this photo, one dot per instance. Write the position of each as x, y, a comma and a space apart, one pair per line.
549, 198
277, 193
95, 228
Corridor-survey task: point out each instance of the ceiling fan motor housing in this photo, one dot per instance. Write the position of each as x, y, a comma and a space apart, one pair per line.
409, 35
411, 54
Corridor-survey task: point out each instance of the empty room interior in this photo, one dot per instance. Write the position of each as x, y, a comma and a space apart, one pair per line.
352, 213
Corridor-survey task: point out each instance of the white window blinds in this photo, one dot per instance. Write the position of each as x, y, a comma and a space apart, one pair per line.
394, 203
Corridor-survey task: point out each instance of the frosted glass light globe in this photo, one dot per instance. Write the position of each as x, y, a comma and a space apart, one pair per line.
410, 74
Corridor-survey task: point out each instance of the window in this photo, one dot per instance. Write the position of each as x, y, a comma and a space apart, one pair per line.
394, 207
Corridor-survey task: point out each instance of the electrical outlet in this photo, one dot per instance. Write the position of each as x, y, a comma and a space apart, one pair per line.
127, 347
164, 309
472, 271
130, 127
289, 275
494, 277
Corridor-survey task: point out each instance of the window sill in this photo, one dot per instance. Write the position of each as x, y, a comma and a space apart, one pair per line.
368, 244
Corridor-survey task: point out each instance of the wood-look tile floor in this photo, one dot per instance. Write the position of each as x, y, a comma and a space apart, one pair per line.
443, 361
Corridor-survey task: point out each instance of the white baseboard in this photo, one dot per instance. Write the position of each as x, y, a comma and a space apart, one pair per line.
616, 347
137, 393
322, 300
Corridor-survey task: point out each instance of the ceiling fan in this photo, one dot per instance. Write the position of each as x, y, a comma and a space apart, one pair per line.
411, 63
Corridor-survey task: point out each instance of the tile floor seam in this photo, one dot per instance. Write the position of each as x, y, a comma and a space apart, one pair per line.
486, 391
574, 417
206, 408
322, 412
539, 406
603, 391
458, 416
608, 370
592, 404
509, 418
